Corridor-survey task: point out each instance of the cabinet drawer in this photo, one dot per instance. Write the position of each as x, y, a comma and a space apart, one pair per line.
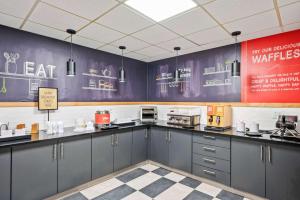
215, 140
214, 163
211, 174
213, 151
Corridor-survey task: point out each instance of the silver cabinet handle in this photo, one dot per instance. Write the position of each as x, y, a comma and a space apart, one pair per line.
54, 152
169, 136
209, 172
146, 134
62, 151
209, 149
117, 140
270, 154
209, 161
261, 152
112, 140
209, 137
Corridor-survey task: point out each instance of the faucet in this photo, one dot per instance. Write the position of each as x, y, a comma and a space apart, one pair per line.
5, 125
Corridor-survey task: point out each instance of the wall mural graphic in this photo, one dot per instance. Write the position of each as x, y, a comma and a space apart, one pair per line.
28, 61
271, 69
206, 76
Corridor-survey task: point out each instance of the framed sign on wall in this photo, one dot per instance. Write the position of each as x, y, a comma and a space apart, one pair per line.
47, 98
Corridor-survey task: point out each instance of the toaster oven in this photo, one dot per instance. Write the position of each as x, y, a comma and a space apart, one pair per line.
148, 114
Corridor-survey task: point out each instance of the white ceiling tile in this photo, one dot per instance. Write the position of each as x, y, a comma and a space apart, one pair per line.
10, 21
56, 18
292, 27
229, 10
152, 51
44, 30
218, 44
254, 23
90, 9
290, 14
192, 21
260, 34
178, 42
100, 33
284, 2
111, 49
131, 43
135, 55
209, 35
124, 20
201, 2
155, 34
16, 7
191, 50
85, 42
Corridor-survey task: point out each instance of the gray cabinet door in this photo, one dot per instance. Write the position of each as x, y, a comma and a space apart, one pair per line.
139, 145
122, 150
159, 145
102, 155
248, 166
34, 171
283, 172
74, 164
5, 157
180, 150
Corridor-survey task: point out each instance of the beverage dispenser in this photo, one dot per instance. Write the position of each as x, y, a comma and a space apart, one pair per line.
219, 117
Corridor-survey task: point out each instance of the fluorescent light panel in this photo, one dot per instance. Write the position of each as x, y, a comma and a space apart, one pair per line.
159, 10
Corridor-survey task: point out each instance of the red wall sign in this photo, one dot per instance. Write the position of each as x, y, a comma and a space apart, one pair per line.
271, 69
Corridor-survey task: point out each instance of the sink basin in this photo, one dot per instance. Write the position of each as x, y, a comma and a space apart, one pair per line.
7, 135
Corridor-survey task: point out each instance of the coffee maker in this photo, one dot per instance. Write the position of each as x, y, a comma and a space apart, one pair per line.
219, 117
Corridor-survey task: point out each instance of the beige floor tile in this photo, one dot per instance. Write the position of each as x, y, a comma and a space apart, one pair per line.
143, 181
177, 191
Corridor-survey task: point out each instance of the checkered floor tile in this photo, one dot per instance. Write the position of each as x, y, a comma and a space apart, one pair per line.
151, 182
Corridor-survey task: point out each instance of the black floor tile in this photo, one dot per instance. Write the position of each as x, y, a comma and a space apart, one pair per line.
161, 171
132, 175
190, 182
196, 195
117, 193
157, 187
225, 195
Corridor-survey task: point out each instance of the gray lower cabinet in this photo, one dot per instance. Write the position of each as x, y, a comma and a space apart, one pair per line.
139, 145
102, 155
5, 157
74, 162
122, 149
159, 145
34, 171
248, 166
180, 149
282, 172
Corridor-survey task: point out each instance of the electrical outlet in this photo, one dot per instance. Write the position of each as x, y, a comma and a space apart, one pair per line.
275, 115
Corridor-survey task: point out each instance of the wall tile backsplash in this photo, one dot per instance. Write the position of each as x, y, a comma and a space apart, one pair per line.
266, 117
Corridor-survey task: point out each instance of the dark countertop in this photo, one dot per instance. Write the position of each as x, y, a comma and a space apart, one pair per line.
230, 133
69, 132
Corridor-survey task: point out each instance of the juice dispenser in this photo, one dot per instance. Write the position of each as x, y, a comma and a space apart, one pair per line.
219, 117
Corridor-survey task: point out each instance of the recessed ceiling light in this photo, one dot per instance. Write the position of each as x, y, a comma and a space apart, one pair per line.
159, 10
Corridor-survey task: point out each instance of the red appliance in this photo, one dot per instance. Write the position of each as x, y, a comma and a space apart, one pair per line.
102, 118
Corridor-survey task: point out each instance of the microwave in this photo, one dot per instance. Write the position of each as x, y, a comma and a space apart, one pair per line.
148, 114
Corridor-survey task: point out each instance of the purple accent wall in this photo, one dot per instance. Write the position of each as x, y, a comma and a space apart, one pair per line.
203, 85
198, 84
48, 51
